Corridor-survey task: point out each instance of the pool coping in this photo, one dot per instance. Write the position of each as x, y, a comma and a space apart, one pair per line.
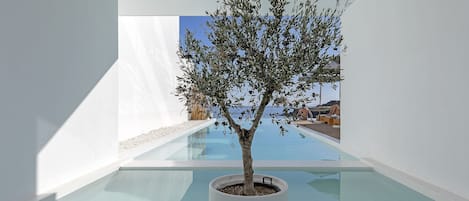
425, 188
77, 183
137, 151
320, 136
238, 164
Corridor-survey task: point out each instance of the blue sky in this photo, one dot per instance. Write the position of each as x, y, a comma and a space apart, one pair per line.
196, 24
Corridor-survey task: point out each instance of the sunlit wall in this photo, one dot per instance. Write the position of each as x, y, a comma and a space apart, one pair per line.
404, 94
57, 122
74, 91
147, 74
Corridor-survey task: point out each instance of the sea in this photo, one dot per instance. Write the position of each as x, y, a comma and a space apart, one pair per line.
236, 111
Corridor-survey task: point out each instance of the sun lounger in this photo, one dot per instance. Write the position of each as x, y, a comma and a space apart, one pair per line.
331, 120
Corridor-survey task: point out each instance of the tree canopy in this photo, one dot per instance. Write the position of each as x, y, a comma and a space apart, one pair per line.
251, 54
255, 59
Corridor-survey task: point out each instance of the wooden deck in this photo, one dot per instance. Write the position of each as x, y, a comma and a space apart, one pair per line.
322, 128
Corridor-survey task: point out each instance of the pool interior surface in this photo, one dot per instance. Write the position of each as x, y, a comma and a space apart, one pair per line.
219, 143
192, 185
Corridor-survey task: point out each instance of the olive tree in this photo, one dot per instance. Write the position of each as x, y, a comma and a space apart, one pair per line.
255, 59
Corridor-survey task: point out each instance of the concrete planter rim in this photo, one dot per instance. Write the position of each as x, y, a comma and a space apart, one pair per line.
283, 189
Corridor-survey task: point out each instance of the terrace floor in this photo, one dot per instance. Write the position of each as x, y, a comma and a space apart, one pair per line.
322, 128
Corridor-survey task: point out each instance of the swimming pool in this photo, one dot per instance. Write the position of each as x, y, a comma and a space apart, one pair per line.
219, 143
192, 185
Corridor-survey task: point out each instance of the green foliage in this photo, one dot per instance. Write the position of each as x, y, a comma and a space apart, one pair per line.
254, 55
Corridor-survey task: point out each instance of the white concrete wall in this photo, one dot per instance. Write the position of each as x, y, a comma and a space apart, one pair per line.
147, 74
404, 97
86, 141
191, 7
52, 54
17, 134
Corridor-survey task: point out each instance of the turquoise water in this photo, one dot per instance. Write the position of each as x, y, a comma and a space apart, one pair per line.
192, 185
219, 143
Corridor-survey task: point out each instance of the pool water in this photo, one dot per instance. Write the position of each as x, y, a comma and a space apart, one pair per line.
192, 185
219, 143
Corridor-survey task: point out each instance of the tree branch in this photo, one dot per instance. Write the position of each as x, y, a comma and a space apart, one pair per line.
227, 114
260, 111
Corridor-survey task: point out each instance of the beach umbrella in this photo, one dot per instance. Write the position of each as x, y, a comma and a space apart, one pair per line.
333, 66
328, 74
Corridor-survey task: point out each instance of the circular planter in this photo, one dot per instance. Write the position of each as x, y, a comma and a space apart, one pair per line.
227, 180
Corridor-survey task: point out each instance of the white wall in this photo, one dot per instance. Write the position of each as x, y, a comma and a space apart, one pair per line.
190, 7
17, 134
404, 97
147, 74
86, 141
52, 54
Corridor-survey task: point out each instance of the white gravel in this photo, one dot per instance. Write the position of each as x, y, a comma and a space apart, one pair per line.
157, 134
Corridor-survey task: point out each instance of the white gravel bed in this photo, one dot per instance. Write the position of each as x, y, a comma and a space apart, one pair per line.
157, 134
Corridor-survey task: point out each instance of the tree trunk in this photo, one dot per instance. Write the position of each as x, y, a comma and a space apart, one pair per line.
245, 140
247, 167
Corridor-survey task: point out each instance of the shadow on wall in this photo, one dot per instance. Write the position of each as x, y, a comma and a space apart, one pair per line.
32, 115
88, 137
50, 60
